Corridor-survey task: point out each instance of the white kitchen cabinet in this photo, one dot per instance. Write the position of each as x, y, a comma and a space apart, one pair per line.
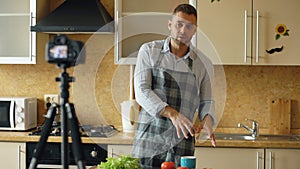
224, 24
229, 158
17, 43
268, 14
140, 21
12, 155
242, 31
282, 158
118, 150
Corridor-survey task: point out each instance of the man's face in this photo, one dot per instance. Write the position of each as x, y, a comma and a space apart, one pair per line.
182, 27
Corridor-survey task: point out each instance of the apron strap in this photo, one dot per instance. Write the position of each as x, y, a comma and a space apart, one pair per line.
190, 63
160, 57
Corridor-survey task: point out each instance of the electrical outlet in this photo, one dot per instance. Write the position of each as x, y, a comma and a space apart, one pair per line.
50, 98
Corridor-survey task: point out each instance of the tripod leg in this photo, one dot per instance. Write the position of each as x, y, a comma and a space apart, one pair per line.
76, 139
44, 136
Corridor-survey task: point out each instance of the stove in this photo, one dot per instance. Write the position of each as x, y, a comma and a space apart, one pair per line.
93, 153
85, 130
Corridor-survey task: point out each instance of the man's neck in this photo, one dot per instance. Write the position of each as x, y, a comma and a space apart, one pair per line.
178, 49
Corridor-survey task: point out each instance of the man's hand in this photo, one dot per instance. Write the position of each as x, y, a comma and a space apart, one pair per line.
208, 126
181, 123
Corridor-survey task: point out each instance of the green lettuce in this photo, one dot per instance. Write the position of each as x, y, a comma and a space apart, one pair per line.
123, 162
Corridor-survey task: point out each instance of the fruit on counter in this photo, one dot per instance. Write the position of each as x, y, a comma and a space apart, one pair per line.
123, 162
167, 165
182, 168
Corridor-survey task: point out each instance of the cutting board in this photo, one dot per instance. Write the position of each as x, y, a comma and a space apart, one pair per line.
280, 116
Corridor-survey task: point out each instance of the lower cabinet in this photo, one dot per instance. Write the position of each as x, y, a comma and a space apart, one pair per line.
282, 158
229, 158
118, 150
13, 155
233, 158
247, 158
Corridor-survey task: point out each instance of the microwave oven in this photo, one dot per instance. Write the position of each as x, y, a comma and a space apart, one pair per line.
18, 113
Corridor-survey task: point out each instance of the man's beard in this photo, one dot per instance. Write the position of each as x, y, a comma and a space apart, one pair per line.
179, 42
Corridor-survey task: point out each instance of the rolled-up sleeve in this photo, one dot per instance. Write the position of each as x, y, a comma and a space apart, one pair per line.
206, 88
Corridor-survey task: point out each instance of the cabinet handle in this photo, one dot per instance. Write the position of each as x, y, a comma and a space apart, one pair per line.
112, 152
32, 37
257, 36
117, 48
245, 38
258, 160
271, 160
19, 157
31, 24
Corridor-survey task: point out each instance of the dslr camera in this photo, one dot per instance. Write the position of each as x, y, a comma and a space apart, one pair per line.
63, 51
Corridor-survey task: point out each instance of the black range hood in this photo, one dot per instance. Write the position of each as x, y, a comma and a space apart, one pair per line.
75, 16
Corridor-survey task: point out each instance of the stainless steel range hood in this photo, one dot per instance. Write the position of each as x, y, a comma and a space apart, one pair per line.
76, 16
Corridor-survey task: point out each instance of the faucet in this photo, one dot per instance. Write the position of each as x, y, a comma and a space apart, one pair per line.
253, 130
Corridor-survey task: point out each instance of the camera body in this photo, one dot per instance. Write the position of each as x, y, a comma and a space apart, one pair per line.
61, 50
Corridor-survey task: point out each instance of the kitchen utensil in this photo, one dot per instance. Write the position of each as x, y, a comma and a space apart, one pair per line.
130, 108
280, 116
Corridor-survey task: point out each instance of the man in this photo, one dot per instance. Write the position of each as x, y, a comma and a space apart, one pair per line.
172, 81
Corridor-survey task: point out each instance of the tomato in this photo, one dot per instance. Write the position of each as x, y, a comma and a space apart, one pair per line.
182, 168
167, 165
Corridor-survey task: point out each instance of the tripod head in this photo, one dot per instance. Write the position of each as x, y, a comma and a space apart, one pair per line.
64, 80
65, 53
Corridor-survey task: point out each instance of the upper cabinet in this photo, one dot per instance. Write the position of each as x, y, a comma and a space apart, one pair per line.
140, 21
276, 29
251, 32
17, 43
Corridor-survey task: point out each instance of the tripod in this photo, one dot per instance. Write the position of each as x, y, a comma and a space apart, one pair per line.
69, 119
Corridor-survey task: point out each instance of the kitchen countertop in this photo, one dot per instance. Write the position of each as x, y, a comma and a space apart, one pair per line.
127, 139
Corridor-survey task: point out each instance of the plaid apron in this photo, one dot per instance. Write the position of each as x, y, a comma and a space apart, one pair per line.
156, 138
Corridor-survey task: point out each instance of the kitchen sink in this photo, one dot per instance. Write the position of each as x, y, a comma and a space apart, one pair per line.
227, 136
230, 136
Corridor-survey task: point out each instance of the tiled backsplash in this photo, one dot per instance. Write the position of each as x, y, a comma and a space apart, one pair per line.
249, 89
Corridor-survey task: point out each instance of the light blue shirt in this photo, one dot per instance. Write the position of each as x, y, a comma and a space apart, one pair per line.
202, 69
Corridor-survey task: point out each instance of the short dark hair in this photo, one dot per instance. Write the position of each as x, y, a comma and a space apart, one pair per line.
186, 8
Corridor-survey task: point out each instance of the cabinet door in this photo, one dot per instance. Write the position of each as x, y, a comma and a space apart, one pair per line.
228, 26
229, 158
118, 150
282, 158
140, 21
267, 15
17, 43
12, 155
